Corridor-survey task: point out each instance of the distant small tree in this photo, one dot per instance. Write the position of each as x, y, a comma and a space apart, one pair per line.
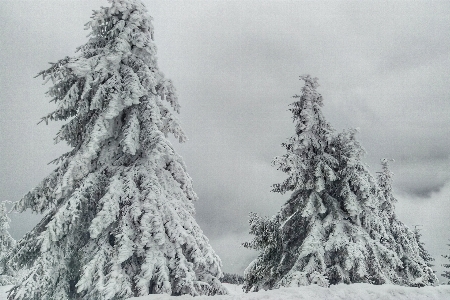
232, 278
415, 269
7, 273
446, 273
387, 203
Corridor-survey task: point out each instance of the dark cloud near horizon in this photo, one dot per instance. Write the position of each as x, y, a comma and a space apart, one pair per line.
383, 66
425, 192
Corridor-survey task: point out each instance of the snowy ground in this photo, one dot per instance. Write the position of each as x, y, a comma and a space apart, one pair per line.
359, 291
3, 290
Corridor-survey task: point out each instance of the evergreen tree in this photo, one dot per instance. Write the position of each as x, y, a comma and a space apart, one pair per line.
119, 213
423, 252
446, 273
330, 230
415, 269
7, 273
232, 278
385, 183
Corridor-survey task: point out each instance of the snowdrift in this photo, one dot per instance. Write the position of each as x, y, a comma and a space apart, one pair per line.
359, 291
4, 290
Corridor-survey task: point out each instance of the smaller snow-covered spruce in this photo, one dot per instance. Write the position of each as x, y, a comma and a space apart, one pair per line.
119, 208
446, 273
7, 273
338, 225
415, 269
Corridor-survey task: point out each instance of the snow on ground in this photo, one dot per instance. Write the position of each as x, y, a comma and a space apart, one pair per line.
234, 289
3, 290
359, 291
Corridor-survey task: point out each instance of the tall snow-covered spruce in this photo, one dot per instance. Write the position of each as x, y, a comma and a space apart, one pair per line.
331, 230
119, 213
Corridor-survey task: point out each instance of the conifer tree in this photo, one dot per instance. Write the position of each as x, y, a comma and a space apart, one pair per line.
7, 273
422, 251
232, 278
306, 172
118, 210
415, 269
330, 230
446, 273
384, 179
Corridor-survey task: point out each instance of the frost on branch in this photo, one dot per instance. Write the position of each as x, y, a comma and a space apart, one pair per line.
118, 209
8, 274
338, 226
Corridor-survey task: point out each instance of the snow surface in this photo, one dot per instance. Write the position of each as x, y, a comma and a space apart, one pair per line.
358, 291
4, 290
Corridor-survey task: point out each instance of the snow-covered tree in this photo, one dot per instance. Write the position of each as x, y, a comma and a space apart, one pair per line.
119, 208
232, 278
446, 273
330, 230
416, 267
423, 252
7, 273
385, 183
309, 167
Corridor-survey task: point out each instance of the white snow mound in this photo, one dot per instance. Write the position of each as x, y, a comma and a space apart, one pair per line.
3, 291
357, 291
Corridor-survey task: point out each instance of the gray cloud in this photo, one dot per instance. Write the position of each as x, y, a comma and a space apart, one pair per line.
422, 177
425, 192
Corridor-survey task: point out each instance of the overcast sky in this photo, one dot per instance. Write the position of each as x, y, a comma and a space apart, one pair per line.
383, 66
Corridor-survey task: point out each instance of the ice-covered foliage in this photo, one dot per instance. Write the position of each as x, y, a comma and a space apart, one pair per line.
416, 267
446, 273
118, 210
331, 230
385, 183
7, 273
423, 252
